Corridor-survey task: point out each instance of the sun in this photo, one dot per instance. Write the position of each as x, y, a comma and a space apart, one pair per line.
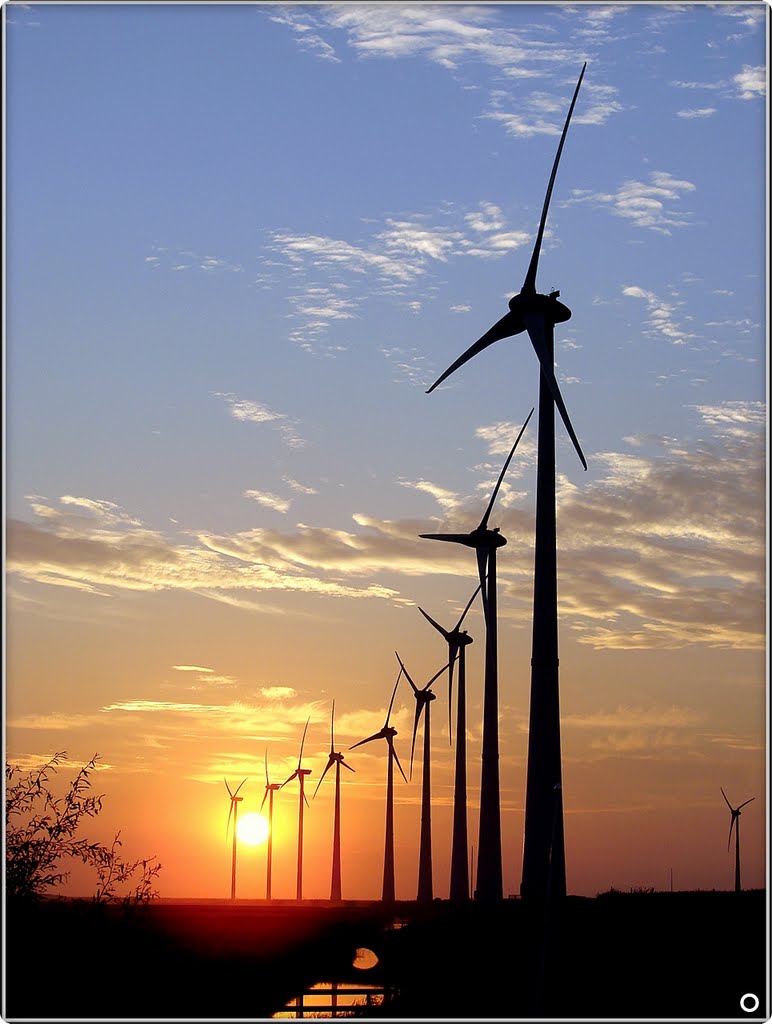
252, 829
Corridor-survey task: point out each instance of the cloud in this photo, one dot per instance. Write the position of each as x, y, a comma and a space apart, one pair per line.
447, 500
646, 205
751, 82
664, 547
268, 500
278, 692
661, 320
300, 488
191, 668
105, 557
248, 411
700, 112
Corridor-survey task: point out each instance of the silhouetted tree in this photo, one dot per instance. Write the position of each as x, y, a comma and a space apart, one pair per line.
42, 834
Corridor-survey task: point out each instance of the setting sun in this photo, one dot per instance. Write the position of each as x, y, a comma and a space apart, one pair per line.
252, 829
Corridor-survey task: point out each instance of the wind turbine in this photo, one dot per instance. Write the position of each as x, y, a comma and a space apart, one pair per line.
543, 861
336, 759
458, 641
485, 542
423, 700
388, 732
735, 821
233, 810
300, 774
270, 789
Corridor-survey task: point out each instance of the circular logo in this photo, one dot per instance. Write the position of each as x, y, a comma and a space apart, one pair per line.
749, 1002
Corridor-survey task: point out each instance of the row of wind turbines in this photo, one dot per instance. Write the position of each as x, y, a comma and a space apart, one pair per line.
544, 868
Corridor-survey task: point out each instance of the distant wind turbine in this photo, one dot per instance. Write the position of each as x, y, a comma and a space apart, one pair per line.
544, 868
336, 759
270, 789
300, 774
485, 542
457, 641
735, 824
423, 699
233, 810
388, 733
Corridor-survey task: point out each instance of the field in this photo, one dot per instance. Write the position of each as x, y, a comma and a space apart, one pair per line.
618, 955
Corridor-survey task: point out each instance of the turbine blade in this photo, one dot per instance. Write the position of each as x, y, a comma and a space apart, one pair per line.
536, 328
726, 801
375, 736
509, 325
394, 752
435, 676
330, 763
407, 674
484, 521
416, 719
332, 727
228, 788
228, 823
731, 826
266, 767
293, 776
454, 538
239, 787
394, 694
482, 569
302, 742
265, 797
436, 625
530, 277
347, 766
471, 599
453, 652
747, 802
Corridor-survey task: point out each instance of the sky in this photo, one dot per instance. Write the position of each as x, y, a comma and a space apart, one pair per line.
241, 242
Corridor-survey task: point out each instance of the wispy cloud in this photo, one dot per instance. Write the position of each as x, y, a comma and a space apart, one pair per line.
268, 500
661, 319
693, 113
646, 205
249, 411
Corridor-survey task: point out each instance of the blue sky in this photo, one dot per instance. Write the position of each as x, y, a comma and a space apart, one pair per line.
242, 240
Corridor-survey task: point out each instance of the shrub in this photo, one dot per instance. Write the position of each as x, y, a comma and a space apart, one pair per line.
42, 832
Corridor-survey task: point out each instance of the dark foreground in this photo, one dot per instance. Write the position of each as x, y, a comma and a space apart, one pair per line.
619, 955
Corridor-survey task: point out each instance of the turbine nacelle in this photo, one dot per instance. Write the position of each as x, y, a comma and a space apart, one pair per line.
546, 306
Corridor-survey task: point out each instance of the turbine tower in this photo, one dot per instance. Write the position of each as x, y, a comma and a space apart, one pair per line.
388, 733
485, 542
423, 700
270, 789
544, 869
735, 811
233, 810
336, 759
300, 774
458, 640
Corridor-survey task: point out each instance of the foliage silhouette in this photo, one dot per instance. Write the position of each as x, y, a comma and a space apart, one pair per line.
42, 832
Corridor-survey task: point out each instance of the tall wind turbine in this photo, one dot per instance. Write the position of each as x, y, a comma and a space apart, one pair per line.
458, 640
485, 542
388, 732
233, 810
423, 700
543, 859
300, 774
735, 811
336, 759
270, 789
